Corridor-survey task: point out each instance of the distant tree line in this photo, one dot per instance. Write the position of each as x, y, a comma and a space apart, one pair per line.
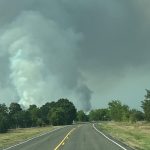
117, 111
63, 112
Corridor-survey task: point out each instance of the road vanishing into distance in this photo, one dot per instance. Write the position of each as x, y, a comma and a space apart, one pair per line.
75, 137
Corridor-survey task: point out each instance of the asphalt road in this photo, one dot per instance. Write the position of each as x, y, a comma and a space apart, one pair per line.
77, 137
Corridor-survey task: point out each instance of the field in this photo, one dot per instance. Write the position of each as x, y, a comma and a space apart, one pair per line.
135, 135
18, 135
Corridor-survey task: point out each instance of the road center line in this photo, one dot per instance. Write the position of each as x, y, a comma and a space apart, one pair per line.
63, 141
109, 138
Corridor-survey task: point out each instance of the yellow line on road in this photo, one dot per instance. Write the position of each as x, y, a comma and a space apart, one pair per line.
63, 141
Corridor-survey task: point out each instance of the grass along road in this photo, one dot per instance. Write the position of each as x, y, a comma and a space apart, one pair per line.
16, 136
135, 135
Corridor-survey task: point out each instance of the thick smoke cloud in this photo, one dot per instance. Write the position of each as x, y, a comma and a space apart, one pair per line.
42, 59
64, 48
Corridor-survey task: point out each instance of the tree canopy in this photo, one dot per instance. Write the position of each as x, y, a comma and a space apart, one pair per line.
62, 112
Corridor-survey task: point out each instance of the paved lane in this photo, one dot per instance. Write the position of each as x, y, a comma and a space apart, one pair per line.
87, 138
77, 137
46, 142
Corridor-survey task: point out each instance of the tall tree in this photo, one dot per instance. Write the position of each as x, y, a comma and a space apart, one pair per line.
146, 105
4, 118
15, 115
115, 108
125, 113
3, 109
69, 110
66, 107
14, 108
45, 111
25, 119
34, 113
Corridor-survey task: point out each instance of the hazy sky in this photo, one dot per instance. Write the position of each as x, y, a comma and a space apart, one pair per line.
90, 51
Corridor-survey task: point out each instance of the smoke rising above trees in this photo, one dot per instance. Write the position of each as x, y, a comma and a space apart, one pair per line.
83, 50
37, 49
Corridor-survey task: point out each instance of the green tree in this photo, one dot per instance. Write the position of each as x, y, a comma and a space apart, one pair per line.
26, 120
146, 106
15, 116
3, 109
4, 118
14, 108
99, 115
125, 113
69, 110
45, 111
4, 123
81, 116
35, 114
136, 115
115, 108
57, 116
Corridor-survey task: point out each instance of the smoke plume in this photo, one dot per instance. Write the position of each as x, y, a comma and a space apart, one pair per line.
89, 51
42, 60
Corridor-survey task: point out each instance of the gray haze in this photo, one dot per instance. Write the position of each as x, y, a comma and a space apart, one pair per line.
90, 51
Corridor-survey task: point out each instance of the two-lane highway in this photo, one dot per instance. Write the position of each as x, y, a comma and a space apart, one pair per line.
76, 137
87, 138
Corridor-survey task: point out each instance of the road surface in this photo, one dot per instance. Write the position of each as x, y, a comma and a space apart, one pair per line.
76, 137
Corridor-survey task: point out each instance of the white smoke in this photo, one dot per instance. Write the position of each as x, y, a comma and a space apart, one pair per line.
42, 60
44, 56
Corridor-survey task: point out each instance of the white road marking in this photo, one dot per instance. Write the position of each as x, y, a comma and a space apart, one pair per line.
33, 138
109, 138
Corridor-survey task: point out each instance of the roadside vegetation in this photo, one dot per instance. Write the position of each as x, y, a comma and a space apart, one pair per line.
135, 135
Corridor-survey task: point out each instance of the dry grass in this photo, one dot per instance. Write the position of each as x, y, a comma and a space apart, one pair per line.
135, 135
19, 135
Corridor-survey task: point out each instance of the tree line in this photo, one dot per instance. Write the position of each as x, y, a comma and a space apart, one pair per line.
63, 112
117, 111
